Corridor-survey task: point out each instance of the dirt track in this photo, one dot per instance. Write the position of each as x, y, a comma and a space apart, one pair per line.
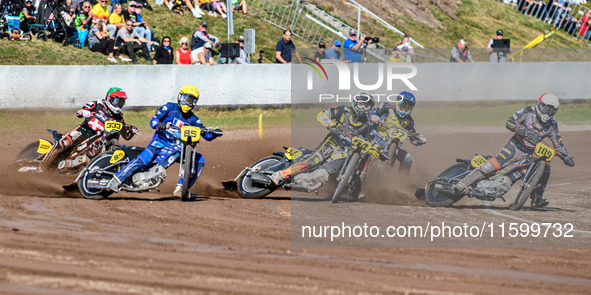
52, 242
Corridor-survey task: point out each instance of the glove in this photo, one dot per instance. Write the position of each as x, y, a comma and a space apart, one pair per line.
86, 113
533, 136
569, 161
418, 140
133, 129
334, 130
374, 119
208, 136
163, 126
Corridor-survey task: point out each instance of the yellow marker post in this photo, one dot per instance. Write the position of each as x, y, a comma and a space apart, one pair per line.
260, 125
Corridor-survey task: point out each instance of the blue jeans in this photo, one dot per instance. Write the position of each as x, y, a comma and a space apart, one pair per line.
143, 32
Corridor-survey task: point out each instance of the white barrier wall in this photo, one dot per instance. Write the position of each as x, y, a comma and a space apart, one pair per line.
73, 86
236, 85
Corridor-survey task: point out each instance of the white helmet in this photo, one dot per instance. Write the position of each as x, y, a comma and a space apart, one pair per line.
547, 107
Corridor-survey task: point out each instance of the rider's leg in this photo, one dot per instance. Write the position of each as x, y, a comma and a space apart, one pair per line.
536, 196
325, 148
64, 144
140, 162
490, 167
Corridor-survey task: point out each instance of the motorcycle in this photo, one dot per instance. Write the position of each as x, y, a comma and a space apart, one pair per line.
93, 180
439, 192
30, 157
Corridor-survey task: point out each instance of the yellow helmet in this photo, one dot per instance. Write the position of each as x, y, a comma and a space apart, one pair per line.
188, 98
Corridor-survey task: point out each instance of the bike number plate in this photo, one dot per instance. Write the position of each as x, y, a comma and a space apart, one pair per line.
478, 161
364, 145
117, 156
397, 133
292, 154
192, 132
113, 126
44, 146
543, 150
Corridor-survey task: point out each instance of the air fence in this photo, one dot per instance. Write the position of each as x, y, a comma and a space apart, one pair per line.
235, 86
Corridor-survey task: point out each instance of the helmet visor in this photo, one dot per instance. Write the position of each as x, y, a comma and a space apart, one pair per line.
118, 102
188, 100
548, 110
364, 105
406, 106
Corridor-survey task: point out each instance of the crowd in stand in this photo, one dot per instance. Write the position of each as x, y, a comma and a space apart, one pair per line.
114, 29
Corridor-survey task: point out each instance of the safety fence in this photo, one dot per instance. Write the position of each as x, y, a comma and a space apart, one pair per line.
569, 16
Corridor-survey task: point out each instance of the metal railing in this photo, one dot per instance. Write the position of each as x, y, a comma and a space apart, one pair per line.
312, 24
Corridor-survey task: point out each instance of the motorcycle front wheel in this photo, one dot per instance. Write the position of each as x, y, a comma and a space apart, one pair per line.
247, 189
438, 199
187, 172
91, 174
345, 178
528, 186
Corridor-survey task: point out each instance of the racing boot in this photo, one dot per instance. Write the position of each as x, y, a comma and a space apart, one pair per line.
114, 185
539, 202
467, 181
177, 192
276, 178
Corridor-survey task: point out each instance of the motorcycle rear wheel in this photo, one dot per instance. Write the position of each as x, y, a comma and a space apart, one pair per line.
247, 189
529, 185
187, 173
26, 156
102, 160
438, 199
345, 178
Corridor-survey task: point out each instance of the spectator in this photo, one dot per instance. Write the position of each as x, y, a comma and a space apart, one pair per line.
84, 17
334, 51
202, 55
164, 53
11, 7
244, 58
406, 42
206, 5
353, 49
584, 31
395, 57
77, 5
183, 54
496, 56
101, 11
27, 15
284, 48
116, 18
177, 6
239, 6
150, 32
404, 55
460, 52
568, 22
200, 37
67, 13
133, 41
320, 54
98, 41
220, 7
140, 27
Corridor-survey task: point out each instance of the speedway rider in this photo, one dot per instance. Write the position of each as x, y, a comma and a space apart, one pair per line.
349, 120
531, 125
164, 148
402, 108
95, 114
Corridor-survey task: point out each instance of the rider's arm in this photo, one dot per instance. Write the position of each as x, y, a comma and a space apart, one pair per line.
86, 110
159, 116
516, 120
328, 118
557, 142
